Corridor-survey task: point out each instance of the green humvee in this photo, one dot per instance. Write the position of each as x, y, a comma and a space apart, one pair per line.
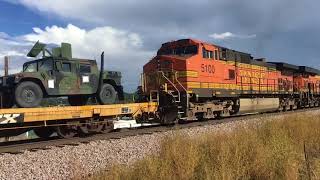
57, 74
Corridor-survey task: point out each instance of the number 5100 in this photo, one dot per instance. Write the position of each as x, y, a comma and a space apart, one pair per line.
207, 68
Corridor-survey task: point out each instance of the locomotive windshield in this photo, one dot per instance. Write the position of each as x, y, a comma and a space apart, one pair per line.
180, 51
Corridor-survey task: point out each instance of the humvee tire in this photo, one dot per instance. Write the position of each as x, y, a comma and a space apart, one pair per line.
107, 94
28, 94
78, 100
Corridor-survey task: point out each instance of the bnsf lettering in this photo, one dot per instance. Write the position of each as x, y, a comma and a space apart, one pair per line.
254, 74
207, 68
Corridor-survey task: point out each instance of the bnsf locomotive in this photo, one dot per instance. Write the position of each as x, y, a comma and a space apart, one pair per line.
203, 81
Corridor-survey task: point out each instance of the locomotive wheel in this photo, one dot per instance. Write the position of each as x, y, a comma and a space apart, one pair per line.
44, 132
107, 94
78, 100
66, 131
28, 94
225, 113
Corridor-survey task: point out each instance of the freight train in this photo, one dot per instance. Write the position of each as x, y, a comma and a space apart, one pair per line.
187, 80
206, 81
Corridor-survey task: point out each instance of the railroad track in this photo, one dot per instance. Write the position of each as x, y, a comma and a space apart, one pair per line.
16, 147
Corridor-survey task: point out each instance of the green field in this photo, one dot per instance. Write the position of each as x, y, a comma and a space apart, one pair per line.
278, 149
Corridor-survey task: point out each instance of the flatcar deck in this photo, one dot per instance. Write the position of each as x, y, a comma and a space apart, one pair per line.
43, 114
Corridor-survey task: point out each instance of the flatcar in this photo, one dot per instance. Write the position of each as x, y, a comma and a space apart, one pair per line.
206, 81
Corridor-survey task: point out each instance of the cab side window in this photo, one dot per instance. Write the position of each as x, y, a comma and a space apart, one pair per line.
223, 54
232, 74
204, 53
215, 54
207, 54
46, 65
66, 67
85, 68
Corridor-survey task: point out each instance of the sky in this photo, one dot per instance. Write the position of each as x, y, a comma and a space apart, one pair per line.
131, 31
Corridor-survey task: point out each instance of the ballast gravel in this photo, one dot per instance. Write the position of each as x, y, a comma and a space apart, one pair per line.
71, 162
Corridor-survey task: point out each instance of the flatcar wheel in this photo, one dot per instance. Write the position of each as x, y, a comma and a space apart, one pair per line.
83, 129
106, 128
66, 131
86, 129
96, 128
44, 132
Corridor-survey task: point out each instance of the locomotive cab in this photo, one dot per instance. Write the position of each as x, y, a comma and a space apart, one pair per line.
169, 65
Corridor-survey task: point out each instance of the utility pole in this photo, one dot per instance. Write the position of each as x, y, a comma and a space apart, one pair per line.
6, 65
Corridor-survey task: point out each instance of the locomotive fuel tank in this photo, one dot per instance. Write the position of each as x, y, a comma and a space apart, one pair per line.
258, 105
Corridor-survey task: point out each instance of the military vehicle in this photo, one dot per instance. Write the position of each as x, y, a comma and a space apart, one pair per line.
57, 74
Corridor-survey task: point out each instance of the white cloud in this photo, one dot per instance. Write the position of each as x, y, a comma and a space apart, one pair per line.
229, 35
222, 35
89, 43
16, 49
3, 35
11, 53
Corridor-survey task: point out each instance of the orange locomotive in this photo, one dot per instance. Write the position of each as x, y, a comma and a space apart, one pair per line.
206, 81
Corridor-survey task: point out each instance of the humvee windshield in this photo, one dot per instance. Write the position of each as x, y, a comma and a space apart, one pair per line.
43, 65
30, 67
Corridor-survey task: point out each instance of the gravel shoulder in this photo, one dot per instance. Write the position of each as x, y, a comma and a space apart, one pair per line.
85, 159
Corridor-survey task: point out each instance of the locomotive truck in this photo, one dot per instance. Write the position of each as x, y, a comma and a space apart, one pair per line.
57, 74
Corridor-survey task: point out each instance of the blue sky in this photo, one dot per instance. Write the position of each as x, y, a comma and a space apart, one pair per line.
16, 19
131, 31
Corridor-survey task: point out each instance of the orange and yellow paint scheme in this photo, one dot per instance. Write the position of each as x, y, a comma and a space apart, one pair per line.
207, 70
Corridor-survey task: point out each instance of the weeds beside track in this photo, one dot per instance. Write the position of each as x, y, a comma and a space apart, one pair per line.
284, 149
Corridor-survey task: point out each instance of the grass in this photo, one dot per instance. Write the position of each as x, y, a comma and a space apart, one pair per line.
280, 149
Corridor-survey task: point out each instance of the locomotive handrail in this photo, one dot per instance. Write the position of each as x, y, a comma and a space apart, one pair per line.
177, 90
270, 86
176, 77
